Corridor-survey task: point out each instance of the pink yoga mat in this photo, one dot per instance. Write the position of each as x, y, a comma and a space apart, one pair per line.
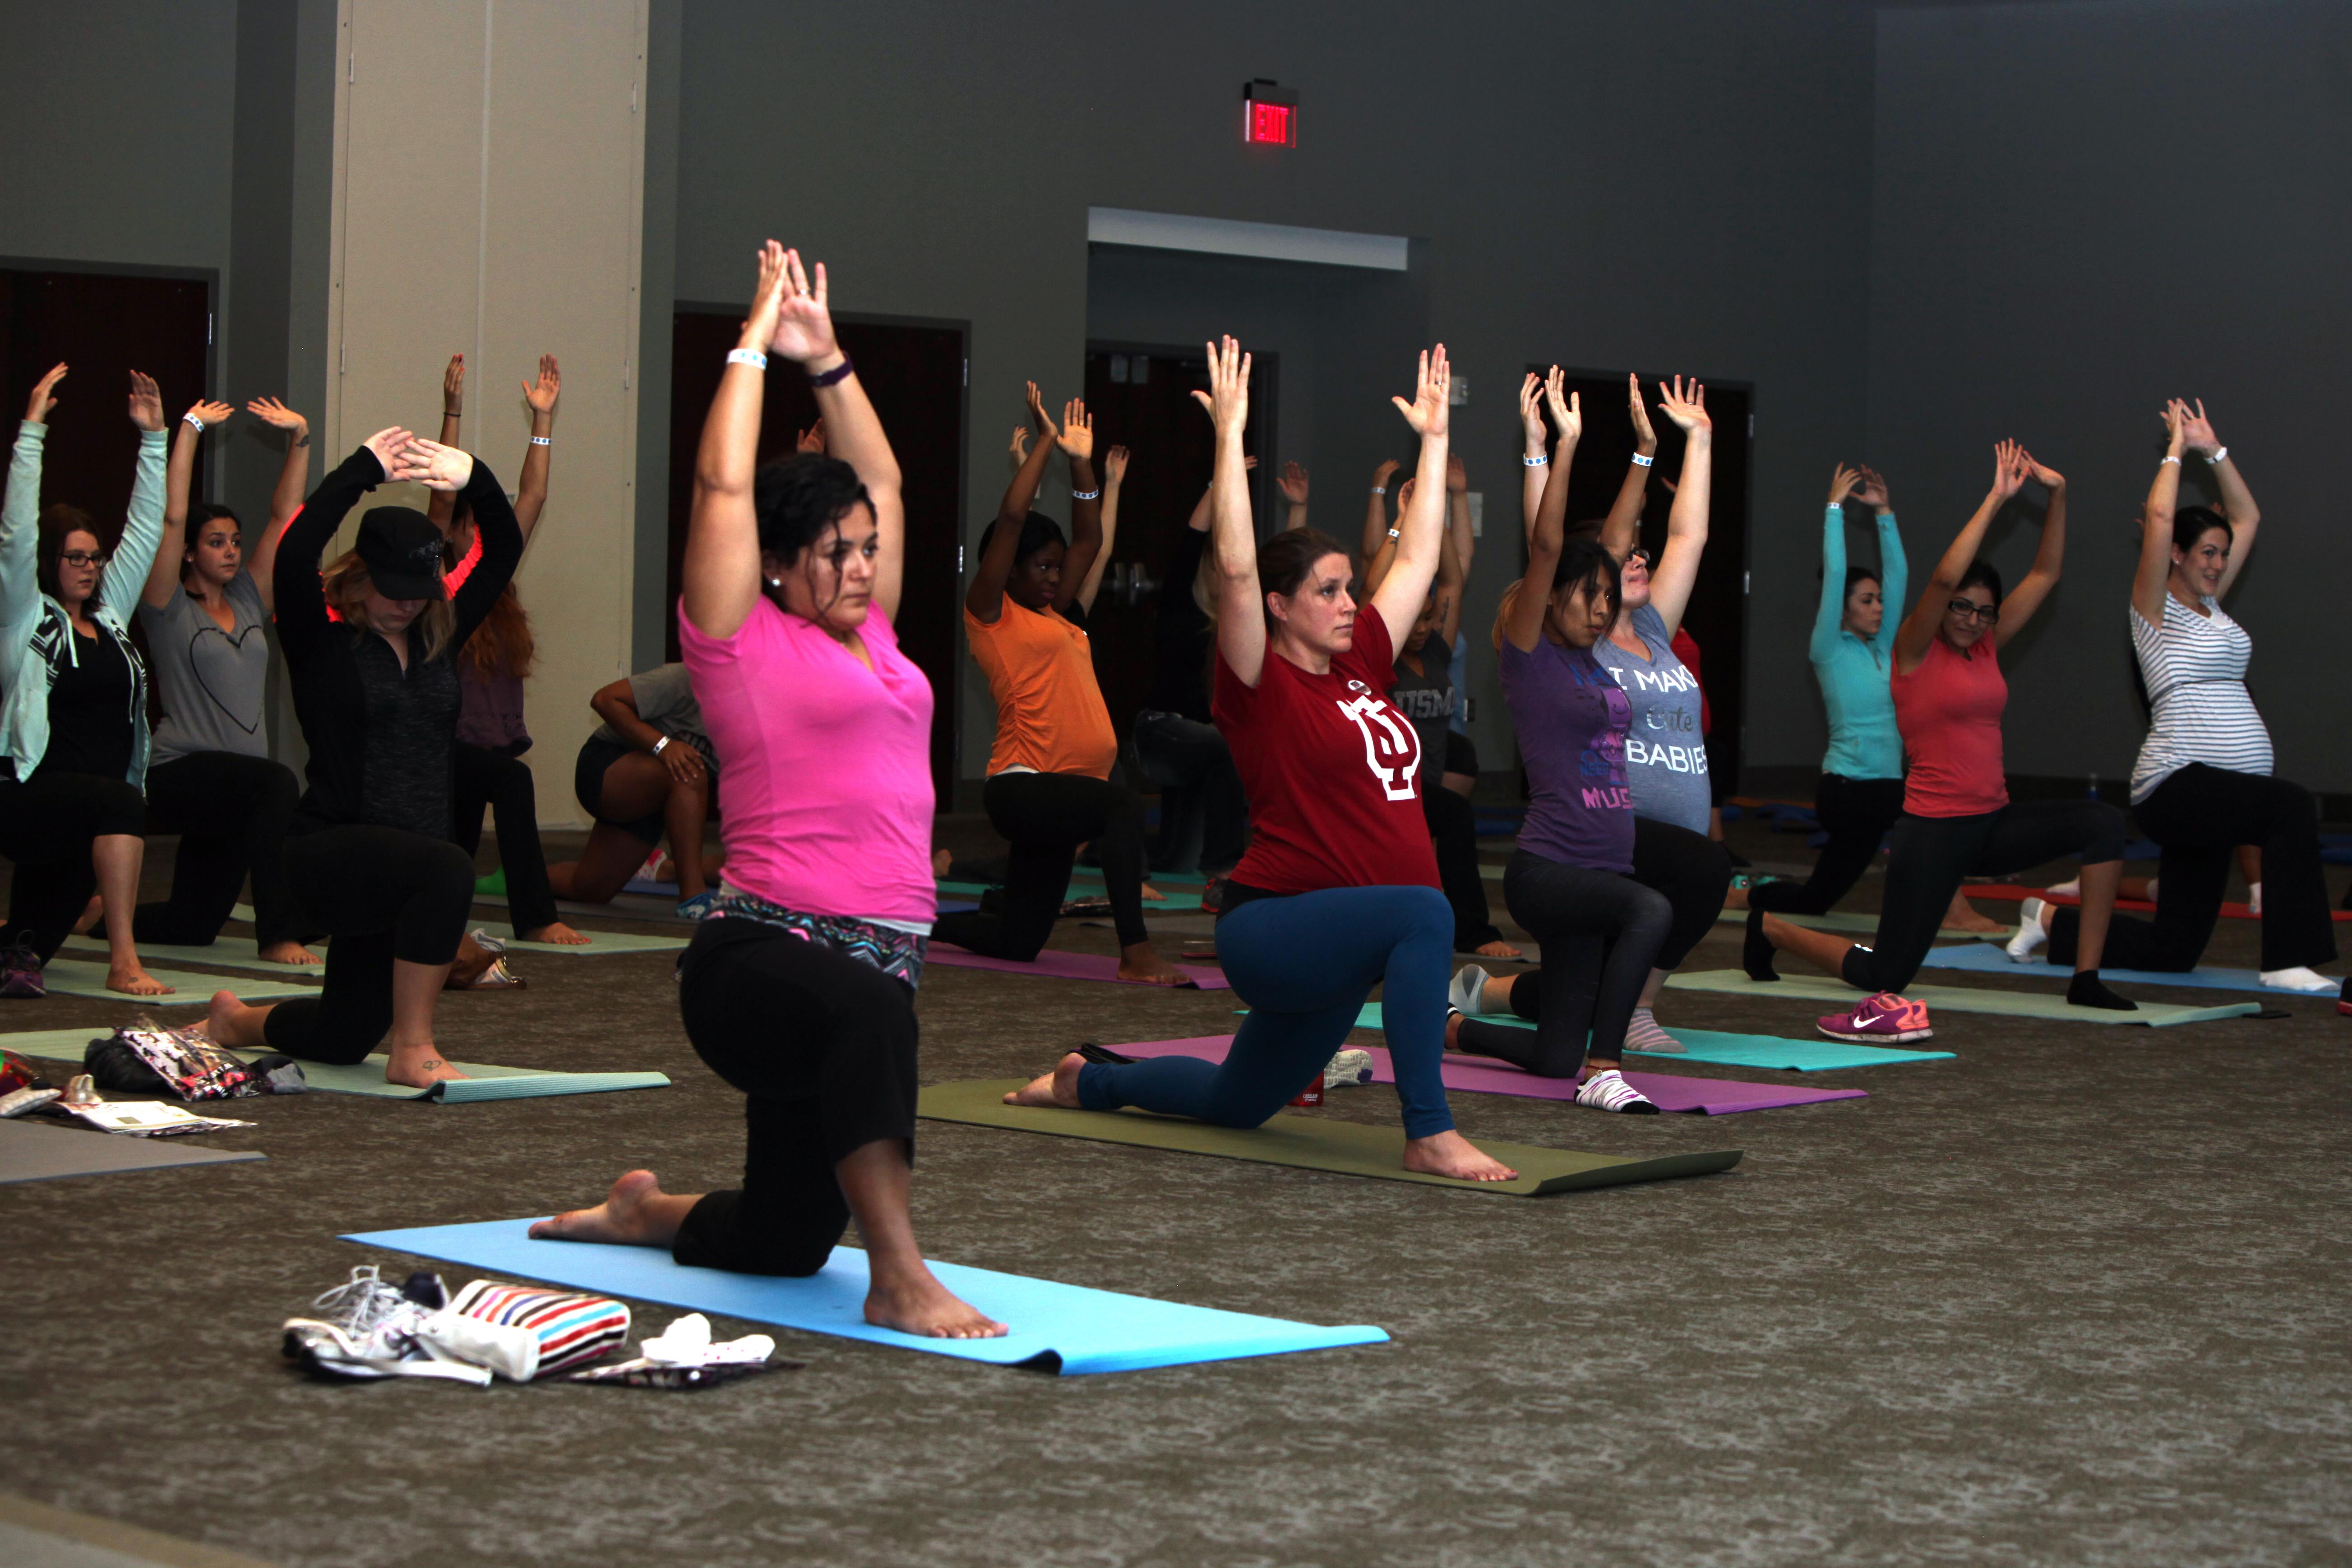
1483, 1075
1067, 966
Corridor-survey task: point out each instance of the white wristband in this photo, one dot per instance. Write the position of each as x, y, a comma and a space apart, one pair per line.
751, 357
2168, 458
1535, 461
543, 441
2220, 455
659, 746
1641, 462
1380, 489
1085, 495
191, 419
1393, 533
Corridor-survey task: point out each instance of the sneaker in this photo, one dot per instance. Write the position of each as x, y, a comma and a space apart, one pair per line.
1883, 1019
1642, 1033
362, 1328
2032, 930
20, 972
1212, 895
699, 908
1349, 1067
2301, 979
488, 972
1608, 1091
1467, 994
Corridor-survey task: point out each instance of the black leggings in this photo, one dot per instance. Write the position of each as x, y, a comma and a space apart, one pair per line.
823, 1048
1047, 816
1201, 798
1930, 855
46, 827
1857, 814
1695, 874
485, 778
1601, 933
230, 811
383, 893
2200, 815
1454, 828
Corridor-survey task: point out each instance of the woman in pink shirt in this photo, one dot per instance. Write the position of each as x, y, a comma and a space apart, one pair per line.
799, 986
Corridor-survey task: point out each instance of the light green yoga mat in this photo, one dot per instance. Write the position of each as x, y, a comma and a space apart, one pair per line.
367, 1077
86, 977
1308, 1142
601, 944
1862, 925
1958, 999
55, 1044
228, 953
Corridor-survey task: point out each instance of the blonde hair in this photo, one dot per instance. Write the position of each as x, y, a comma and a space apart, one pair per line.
346, 583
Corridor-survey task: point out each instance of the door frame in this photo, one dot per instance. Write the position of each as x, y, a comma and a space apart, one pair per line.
1266, 411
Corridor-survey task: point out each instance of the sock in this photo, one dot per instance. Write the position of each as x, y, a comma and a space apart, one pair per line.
2086, 990
1755, 952
1642, 1033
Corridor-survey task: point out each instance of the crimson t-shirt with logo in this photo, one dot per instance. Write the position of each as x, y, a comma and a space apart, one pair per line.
1332, 771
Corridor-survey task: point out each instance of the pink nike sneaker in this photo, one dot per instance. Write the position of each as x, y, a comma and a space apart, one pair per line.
1883, 1019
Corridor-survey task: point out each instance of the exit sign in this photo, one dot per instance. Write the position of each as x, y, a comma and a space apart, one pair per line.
1269, 114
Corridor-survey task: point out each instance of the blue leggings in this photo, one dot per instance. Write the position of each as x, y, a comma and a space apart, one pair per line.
1304, 964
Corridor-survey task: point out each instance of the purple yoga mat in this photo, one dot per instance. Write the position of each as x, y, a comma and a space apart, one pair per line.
1485, 1075
1067, 966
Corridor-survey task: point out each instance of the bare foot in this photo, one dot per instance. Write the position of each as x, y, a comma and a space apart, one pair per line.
1735, 899
1153, 895
1496, 950
636, 1213
417, 1066
917, 1304
941, 861
91, 913
288, 953
1059, 1087
556, 932
1449, 1153
233, 1024
133, 981
1142, 962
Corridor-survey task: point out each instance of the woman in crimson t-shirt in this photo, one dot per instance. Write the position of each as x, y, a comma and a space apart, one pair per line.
1338, 892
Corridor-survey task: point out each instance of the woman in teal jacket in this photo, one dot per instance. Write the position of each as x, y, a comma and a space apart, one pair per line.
73, 705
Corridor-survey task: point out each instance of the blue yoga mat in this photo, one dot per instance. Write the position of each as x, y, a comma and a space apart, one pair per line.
1985, 958
1742, 1049
1065, 1328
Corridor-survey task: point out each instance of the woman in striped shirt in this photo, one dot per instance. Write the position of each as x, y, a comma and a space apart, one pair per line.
2203, 783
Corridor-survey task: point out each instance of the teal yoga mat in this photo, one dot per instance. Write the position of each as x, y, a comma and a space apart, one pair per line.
1956, 998
1065, 1329
1742, 1049
228, 953
1859, 925
601, 944
1984, 958
481, 1082
86, 977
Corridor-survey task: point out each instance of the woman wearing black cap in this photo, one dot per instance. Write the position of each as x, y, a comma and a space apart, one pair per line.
376, 692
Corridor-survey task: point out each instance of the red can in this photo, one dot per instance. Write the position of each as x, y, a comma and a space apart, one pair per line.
1313, 1094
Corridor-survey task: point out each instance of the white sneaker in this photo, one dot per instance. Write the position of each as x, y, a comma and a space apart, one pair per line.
1349, 1067
2032, 930
367, 1327
2301, 979
1467, 994
1608, 1091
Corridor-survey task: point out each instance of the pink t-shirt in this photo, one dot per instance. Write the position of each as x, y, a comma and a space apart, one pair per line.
828, 808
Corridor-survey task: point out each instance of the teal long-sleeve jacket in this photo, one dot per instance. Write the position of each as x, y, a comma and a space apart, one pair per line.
1863, 743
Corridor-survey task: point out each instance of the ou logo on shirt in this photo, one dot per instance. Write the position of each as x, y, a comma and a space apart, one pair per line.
1392, 750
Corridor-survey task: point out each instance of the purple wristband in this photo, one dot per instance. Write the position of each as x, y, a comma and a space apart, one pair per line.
839, 372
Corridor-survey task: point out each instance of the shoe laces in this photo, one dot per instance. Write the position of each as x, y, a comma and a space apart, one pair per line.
20, 954
362, 1304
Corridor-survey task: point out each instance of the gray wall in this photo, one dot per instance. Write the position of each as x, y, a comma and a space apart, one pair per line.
2080, 210
1676, 184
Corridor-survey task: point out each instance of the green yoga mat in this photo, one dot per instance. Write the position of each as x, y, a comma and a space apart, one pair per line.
1174, 902
1861, 925
86, 977
58, 1045
1956, 998
601, 944
228, 953
1740, 1050
1308, 1142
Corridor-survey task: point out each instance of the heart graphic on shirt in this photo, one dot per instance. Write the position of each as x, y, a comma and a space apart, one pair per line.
196, 667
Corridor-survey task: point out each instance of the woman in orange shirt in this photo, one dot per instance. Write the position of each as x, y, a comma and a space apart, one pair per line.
1049, 788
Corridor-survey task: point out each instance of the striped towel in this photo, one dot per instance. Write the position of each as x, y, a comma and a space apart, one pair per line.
572, 1329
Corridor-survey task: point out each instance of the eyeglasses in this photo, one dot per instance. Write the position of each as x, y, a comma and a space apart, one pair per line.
81, 558
1639, 554
1969, 609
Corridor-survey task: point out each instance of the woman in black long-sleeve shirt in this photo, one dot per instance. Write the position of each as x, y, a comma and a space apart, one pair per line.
369, 647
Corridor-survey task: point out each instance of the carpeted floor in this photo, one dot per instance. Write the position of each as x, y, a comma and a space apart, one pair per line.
2076, 1297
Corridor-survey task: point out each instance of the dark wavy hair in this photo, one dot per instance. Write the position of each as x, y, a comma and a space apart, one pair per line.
1284, 559
2193, 523
58, 520
199, 515
1584, 563
800, 498
1037, 531
1981, 571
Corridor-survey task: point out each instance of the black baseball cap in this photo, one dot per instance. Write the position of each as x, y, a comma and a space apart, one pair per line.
403, 551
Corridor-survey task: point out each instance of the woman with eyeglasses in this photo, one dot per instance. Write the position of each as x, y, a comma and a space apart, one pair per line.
1958, 820
73, 705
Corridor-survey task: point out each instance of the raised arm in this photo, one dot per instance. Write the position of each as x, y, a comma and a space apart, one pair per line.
1676, 573
300, 598
1535, 461
1623, 530
1829, 618
1114, 474
1378, 564
1919, 626
286, 500
1421, 525
2049, 557
1457, 517
2237, 501
1232, 534
20, 514
1077, 441
1450, 578
531, 493
1522, 612
441, 506
1376, 508
720, 577
986, 598
1293, 485
455, 471
2150, 578
1894, 570
163, 576
125, 576
853, 432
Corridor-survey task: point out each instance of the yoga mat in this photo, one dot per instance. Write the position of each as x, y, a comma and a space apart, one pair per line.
228, 953
1959, 998
601, 944
1862, 925
481, 1082
2010, 892
1485, 1075
1984, 958
1307, 1143
1174, 902
1720, 1050
1065, 1329
33, 1153
83, 978
1058, 966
